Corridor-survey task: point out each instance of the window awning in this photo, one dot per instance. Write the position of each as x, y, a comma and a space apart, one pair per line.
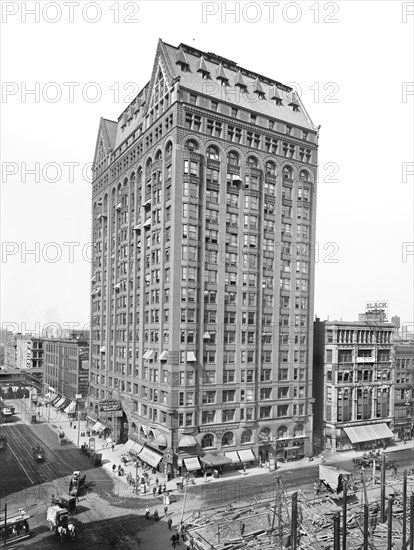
59, 403
98, 427
144, 429
211, 459
151, 354
147, 222
150, 457
187, 441
234, 457
246, 455
103, 349
191, 356
161, 440
369, 432
192, 464
164, 355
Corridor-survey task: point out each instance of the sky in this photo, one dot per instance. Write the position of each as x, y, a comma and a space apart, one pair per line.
66, 64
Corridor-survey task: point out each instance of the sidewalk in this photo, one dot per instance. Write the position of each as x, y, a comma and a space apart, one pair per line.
59, 420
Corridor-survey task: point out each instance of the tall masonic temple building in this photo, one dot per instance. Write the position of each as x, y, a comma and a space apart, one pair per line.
203, 224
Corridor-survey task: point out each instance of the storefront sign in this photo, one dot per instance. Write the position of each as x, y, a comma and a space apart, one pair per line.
109, 405
219, 430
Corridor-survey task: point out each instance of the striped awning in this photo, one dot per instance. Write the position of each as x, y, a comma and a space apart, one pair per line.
369, 432
59, 403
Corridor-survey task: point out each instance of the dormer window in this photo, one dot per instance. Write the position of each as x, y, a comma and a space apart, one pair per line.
221, 75
202, 68
239, 82
294, 103
275, 95
181, 61
258, 90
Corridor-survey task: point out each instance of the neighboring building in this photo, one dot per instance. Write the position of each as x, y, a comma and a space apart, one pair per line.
353, 377
66, 368
204, 205
8, 339
29, 352
2, 354
404, 389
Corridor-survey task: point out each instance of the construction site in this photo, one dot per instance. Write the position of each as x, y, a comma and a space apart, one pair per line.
365, 509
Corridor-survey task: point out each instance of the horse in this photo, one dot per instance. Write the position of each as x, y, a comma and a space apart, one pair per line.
71, 530
61, 532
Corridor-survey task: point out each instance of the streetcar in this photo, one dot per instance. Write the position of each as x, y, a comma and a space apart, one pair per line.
7, 414
16, 528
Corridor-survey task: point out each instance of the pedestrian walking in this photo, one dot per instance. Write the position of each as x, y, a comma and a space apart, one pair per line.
165, 510
113, 468
70, 424
147, 512
244, 468
157, 481
205, 477
169, 523
173, 540
113, 447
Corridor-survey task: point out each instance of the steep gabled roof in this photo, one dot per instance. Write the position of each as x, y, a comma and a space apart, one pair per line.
106, 137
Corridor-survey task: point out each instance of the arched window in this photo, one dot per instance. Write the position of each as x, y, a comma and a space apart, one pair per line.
233, 158
169, 148
151, 436
142, 433
287, 172
264, 434
246, 436
191, 145
304, 175
227, 439
298, 430
213, 153
270, 168
252, 162
158, 155
134, 427
282, 432
207, 441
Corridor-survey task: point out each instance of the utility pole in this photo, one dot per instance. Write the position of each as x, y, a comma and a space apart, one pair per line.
77, 397
366, 520
294, 521
337, 531
185, 496
344, 511
412, 521
5, 524
390, 501
383, 488
404, 518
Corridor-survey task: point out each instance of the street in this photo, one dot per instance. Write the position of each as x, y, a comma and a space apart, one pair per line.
109, 515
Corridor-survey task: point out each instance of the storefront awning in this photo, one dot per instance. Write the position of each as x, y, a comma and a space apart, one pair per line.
71, 408
187, 441
210, 459
150, 457
98, 427
136, 449
66, 403
246, 455
369, 432
55, 400
128, 445
59, 402
234, 457
192, 464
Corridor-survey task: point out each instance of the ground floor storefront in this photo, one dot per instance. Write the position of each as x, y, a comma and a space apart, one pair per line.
359, 437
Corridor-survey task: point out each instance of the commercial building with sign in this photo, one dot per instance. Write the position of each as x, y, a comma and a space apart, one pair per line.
66, 370
354, 374
404, 389
204, 195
